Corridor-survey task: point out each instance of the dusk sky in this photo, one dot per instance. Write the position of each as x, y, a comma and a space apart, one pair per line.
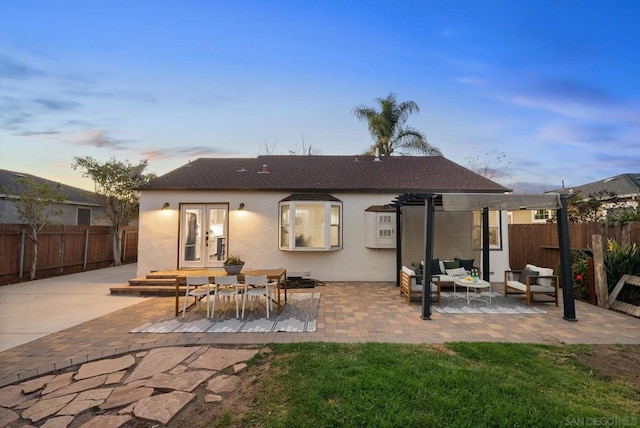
554, 86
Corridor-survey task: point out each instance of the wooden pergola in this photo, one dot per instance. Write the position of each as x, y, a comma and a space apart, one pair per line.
485, 202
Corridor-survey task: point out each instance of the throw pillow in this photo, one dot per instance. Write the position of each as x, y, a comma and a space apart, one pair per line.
466, 264
528, 273
451, 264
435, 267
456, 272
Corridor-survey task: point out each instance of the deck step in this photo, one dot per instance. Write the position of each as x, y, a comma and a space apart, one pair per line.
161, 275
145, 280
146, 290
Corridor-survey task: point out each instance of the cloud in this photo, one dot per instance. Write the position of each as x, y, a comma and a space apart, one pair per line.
12, 113
531, 187
37, 133
183, 151
53, 104
98, 138
579, 133
574, 100
474, 81
91, 137
15, 70
92, 91
16, 113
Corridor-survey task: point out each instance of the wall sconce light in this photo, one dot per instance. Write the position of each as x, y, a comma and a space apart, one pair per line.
165, 206
241, 206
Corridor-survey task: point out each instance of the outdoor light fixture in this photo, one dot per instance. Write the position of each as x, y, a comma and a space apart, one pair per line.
241, 206
165, 206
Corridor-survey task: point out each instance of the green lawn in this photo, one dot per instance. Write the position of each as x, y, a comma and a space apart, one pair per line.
452, 385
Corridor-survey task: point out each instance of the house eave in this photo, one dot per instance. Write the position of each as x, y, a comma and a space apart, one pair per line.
325, 190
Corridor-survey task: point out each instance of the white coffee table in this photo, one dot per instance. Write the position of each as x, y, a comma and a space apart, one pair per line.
476, 286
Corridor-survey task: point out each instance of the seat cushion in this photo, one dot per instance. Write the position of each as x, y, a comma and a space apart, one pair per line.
451, 264
542, 289
435, 267
517, 285
445, 278
533, 288
408, 271
542, 272
466, 264
456, 272
526, 272
418, 288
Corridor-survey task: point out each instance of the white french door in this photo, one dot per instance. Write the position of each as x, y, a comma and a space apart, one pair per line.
203, 235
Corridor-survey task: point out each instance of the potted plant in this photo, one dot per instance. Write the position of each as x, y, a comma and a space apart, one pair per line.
233, 265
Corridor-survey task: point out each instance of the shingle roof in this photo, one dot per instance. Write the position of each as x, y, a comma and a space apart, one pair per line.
326, 173
622, 185
71, 194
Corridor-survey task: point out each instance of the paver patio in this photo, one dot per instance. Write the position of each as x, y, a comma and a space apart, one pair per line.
348, 312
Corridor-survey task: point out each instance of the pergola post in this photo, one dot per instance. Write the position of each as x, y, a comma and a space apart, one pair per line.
398, 244
566, 272
485, 244
428, 256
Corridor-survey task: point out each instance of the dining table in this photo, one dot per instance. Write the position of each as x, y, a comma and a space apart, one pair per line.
277, 276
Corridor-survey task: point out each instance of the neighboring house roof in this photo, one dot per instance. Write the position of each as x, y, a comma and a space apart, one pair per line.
623, 185
72, 195
326, 174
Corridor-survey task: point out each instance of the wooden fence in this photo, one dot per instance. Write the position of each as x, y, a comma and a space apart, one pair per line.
538, 243
61, 249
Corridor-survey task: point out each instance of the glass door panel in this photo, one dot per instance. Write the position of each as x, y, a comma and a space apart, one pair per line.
217, 235
192, 235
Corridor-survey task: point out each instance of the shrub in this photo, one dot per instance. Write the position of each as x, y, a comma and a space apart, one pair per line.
580, 268
620, 260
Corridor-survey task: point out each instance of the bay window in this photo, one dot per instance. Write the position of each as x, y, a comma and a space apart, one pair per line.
310, 223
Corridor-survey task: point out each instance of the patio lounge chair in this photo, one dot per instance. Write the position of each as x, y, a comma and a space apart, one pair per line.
531, 280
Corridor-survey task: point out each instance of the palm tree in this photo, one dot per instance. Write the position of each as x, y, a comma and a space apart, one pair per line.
388, 129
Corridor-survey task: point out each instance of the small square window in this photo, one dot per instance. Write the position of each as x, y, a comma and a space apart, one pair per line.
84, 216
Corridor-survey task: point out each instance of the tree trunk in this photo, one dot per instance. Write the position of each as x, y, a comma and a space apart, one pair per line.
34, 257
117, 260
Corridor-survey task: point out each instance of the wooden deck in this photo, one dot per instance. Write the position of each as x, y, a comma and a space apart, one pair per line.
163, 282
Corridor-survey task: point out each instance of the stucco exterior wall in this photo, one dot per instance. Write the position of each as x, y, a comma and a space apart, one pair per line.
452, 238
253, 235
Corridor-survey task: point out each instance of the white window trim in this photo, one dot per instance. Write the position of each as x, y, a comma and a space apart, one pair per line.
498, 226
327, 226
540, 220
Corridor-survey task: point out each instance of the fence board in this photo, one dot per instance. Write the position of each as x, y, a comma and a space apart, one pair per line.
538, 243
60, 249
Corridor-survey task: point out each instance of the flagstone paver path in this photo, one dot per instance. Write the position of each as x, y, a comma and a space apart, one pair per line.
152, 385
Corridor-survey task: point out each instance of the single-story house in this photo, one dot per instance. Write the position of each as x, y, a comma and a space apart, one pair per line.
324, 217
78, 209
615, 193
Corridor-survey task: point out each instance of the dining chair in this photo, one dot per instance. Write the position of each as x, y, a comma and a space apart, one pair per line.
256, 287
227, 287
197, 287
